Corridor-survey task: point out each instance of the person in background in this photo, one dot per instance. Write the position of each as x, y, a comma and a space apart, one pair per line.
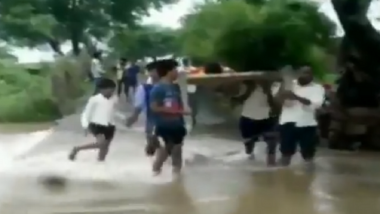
131, 78
256, 118
168, 114
141, 103
97, 118
97, 71
298, 124
191, 90
120, 69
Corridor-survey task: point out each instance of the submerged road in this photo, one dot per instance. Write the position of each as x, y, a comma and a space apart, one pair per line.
217, 179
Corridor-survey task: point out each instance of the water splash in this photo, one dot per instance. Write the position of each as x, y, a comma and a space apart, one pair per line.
13, 146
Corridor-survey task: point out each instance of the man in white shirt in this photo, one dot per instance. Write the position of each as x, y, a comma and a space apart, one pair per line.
98, 119
298, 124
97, 71
256, 119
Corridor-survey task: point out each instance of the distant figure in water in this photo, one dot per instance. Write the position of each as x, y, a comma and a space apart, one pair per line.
131, 78
167, 111
120, 70
98, 119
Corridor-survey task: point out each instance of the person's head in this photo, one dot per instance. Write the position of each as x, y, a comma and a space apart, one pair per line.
305, 75
152, 71
97, 55
167, 69
123, 61
106, 87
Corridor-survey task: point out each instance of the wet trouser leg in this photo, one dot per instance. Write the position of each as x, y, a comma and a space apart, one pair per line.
152, 142
271, 145
173, 138
288, 141
119, 86
308, 140
96, 82
249, 133
251, 130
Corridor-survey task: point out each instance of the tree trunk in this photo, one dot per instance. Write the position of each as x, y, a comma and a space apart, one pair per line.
360, 36
75, 42
56, 46
361, 47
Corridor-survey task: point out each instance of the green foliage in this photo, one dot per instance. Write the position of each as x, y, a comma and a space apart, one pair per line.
145, 41
35, 22
43, 92
24, 97
259, 35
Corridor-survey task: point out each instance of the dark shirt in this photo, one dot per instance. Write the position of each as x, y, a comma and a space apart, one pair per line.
132, 72
168, 95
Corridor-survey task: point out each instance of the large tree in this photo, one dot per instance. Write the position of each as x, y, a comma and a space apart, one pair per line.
359, 51
35, 22
361, 39
259, 35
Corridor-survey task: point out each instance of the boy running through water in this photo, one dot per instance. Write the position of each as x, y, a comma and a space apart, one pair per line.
167, 111
97, 118
141, 103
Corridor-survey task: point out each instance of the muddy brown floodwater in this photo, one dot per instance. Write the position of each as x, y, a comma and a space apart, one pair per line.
217, 179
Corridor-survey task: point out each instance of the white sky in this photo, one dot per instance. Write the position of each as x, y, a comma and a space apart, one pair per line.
170, 16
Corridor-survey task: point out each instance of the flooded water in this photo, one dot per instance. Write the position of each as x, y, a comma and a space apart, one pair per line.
217, 177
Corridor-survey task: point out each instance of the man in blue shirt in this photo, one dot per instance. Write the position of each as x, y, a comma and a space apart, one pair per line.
131, 78
141, 103
167, 113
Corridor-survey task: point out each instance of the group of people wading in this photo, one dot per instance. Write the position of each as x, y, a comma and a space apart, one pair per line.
282, 117
268, 108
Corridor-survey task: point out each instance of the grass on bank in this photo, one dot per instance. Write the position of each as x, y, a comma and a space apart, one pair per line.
43, 94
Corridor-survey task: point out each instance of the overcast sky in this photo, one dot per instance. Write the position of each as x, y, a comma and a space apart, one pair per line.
170, 16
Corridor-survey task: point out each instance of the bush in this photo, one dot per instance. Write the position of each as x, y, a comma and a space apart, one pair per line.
49, 93
24, 97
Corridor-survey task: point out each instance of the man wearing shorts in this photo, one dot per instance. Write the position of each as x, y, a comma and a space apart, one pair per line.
167, 111
298, 124
97, 118
257, 120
